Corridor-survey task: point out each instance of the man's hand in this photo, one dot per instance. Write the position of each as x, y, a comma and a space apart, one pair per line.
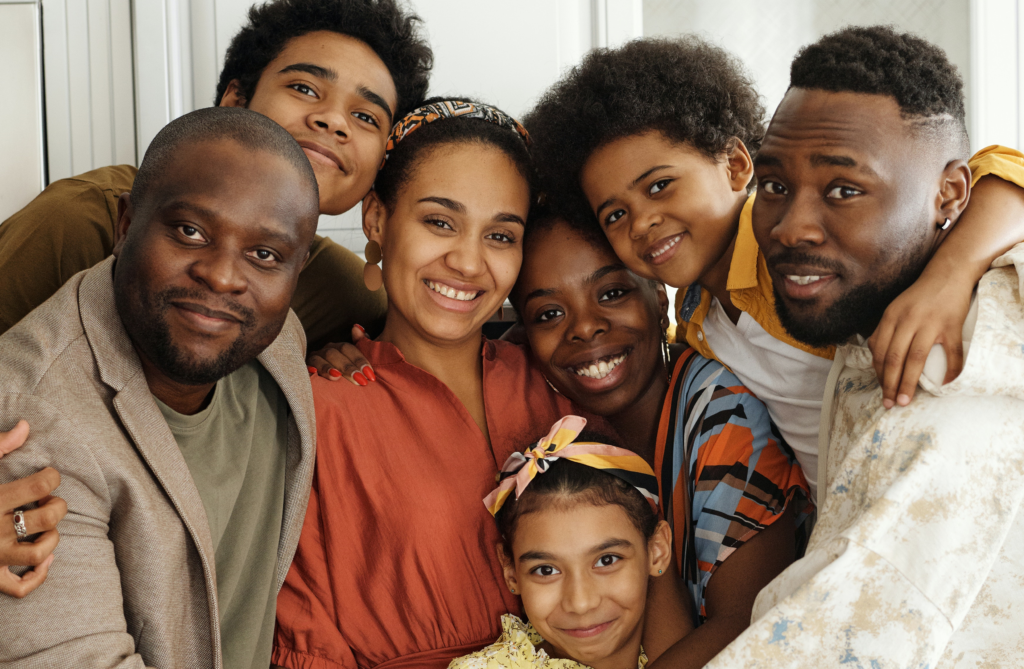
342, 361
42, 521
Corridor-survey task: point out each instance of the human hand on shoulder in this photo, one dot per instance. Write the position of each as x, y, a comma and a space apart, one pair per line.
34, 489
342, 361
932, 311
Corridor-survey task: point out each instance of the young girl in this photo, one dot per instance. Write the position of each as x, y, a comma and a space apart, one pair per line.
655, 139
731, 491
580, 542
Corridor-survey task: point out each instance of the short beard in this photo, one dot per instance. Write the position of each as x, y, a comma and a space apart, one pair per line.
857, 311
145, 319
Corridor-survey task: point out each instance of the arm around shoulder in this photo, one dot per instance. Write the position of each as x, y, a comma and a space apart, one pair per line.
78, 615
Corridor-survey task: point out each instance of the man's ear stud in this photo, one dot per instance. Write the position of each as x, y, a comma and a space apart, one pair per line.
659, 571
944, 224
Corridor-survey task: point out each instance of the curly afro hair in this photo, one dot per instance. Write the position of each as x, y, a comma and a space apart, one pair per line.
880, 61
691, 91
383, 25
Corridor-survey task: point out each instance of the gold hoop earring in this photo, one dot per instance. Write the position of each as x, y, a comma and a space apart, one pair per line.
372, 275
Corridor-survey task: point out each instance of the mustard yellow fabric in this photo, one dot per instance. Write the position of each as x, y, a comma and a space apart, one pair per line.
517, 648
750, 285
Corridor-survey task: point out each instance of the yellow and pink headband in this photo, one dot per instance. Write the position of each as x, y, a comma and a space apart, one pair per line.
444, 109
560, 442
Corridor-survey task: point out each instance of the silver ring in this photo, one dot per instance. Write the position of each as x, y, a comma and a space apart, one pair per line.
19, 524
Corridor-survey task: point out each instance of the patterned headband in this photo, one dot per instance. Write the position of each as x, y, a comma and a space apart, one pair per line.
521, 468
449, 109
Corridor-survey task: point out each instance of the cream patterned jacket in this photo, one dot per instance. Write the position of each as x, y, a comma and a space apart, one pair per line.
917, 559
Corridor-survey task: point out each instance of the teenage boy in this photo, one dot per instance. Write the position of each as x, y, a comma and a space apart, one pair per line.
917, 558
335, 74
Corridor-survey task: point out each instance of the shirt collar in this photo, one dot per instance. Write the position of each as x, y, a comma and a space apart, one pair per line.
743, 269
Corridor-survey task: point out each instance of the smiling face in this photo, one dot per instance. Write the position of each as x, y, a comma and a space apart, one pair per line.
206, 267
594, 327
452, 242
669, 211
582, 571
848, 196
336, 98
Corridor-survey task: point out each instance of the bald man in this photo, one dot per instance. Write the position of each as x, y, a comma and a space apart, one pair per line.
168, 384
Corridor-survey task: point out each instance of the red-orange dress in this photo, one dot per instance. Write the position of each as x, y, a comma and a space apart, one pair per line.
396, 564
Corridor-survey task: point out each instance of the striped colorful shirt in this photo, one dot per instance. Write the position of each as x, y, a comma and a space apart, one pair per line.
739, 474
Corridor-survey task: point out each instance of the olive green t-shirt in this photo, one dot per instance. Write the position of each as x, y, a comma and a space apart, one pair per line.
235, 449
69, 227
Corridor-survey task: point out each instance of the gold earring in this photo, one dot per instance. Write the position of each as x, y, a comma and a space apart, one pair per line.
372, 276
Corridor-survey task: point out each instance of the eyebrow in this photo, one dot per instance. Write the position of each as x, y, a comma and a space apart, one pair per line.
267, 234
596, 276
459, 208
603, 272
819, 159
631, 186
194, 208
316, 70
542, 555
376, 99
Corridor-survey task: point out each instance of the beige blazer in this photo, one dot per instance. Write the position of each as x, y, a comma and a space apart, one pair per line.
133, 581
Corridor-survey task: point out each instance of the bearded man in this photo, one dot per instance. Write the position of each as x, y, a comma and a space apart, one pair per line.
168, 385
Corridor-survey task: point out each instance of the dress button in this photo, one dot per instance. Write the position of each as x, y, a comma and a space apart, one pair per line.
700, 336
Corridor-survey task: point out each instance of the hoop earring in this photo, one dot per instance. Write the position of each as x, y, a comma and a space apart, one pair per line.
943, 225
372, 276
666, 354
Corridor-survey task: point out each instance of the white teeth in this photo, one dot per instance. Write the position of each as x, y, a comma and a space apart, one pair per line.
675, 240
802, 280
448, 291
600, 368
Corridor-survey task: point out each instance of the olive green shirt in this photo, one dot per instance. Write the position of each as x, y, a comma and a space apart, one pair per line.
235, 449
69, 227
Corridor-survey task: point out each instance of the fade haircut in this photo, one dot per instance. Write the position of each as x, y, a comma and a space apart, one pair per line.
253, 131
383, 25
567, 484
691, 91
878, 60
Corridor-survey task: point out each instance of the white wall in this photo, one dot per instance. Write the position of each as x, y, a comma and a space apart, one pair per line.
22, 170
